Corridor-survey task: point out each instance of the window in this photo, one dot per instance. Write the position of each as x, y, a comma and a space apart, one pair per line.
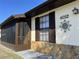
44, 28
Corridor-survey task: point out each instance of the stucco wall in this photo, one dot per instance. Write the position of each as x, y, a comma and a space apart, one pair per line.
70, 37
33, 29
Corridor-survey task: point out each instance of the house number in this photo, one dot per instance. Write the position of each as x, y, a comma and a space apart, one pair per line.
64, 17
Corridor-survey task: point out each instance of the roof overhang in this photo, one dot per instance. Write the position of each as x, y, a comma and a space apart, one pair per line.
14, 18
46, 6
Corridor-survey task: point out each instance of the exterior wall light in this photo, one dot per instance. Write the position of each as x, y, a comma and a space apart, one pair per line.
75, 10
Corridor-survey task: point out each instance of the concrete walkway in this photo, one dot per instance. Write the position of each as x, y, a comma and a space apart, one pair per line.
29, 54
6, 53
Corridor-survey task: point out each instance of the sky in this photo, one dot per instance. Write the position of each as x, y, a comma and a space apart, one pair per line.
13, 7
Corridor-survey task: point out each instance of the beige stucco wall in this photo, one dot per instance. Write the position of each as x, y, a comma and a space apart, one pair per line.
70, 37
33, 29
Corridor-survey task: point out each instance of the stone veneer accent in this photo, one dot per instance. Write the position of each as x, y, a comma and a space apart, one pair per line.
58, 51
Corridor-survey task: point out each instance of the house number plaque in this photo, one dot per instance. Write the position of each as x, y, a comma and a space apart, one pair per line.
64, 16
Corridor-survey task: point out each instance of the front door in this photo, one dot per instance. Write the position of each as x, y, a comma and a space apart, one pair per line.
24, 35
